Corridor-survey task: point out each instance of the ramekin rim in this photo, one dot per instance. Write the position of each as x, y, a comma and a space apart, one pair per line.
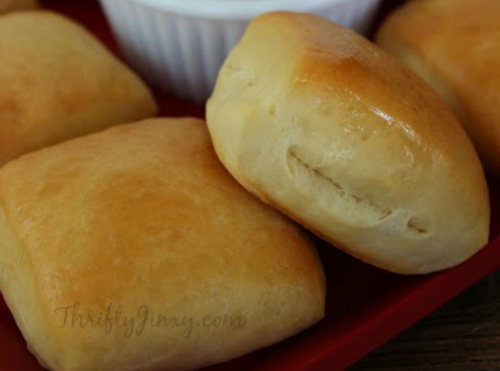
235, 9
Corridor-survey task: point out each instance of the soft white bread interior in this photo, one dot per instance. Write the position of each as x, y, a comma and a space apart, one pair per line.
12, 5
333, 131
143, 220
58, 82
455, 46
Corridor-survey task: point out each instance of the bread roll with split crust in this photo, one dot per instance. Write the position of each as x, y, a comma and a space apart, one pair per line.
454, 45
330, 129
143, 217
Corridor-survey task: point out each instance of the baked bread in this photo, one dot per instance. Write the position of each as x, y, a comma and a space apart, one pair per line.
143, 219
10, 5
455, 46
330, 129
58, 82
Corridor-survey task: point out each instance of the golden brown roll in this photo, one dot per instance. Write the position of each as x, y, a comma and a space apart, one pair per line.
330, 129
455, 46
58, 82
134, 249
10, 5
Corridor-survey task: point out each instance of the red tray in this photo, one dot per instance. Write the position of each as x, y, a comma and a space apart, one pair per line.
365, 306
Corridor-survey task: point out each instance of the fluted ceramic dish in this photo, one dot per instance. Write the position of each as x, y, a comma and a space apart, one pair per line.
180, 45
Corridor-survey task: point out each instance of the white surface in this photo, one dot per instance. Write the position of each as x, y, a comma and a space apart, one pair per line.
180, 45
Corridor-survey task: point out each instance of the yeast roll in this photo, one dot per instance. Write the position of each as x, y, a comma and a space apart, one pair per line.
454, 45
14, 5
330, 129
58, 82
144, 220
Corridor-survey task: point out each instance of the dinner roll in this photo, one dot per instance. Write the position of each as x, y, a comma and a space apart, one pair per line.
10, 5
134, 249
58, 82
455, 46
327, 127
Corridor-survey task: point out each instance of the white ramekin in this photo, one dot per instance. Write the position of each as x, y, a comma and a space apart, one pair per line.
179, 45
